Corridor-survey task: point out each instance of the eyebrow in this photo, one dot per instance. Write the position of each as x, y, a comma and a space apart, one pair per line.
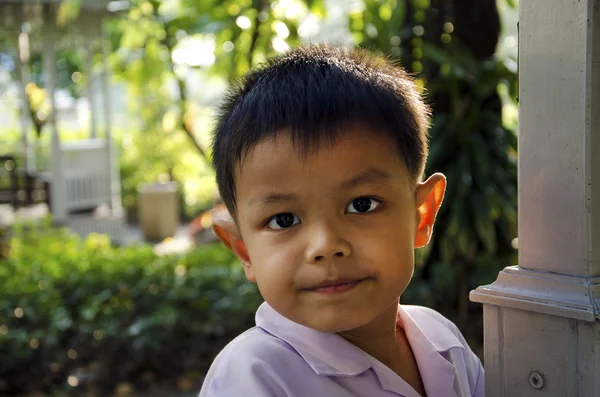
371, 175
271, 198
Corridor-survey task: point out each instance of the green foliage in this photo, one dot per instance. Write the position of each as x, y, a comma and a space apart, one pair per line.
477, 153
151, 155
67, 63
105, 314
68, 10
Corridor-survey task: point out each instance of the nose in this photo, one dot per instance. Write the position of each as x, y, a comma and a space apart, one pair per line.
325, 243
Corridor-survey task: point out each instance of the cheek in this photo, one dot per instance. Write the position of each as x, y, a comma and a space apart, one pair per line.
391, 250
271, 254
274, 266
395, 233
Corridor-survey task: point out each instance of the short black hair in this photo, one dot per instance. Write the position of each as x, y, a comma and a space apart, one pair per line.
313, 92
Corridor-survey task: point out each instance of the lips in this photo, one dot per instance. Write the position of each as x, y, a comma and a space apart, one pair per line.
335, 286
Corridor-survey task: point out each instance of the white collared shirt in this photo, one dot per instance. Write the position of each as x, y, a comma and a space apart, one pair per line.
281, 358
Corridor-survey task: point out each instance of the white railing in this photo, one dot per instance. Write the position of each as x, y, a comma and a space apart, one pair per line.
86, 176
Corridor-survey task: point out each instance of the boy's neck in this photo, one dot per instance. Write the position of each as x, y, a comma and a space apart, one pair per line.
378, 338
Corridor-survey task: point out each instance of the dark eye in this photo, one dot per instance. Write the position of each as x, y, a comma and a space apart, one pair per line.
283, 221
362, 205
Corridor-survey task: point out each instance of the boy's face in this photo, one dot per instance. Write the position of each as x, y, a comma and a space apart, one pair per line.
329, 237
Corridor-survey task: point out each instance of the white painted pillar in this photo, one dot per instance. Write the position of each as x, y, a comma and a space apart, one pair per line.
113, 164
89, 74
58, 193
542, 319
22, 65
88, 33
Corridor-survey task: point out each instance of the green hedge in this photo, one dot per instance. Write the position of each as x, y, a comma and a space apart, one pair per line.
102, 314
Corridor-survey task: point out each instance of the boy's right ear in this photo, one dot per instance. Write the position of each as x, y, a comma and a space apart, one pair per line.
229, 234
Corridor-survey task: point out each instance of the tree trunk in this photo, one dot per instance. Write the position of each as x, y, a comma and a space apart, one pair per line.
477, 25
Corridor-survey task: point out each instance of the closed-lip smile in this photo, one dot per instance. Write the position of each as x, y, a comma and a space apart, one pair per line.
334, 286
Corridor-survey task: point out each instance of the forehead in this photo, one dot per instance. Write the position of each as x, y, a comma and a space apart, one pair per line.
276, 163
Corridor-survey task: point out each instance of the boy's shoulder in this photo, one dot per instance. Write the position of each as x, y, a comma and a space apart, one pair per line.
253, 345
250, 361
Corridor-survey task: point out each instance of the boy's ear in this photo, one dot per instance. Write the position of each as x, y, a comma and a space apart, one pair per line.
428, 199
229, 234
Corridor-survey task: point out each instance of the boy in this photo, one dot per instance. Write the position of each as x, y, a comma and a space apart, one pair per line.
319, 156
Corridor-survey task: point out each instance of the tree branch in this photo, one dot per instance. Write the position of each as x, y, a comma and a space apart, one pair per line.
182, 108
182, 102
264, 4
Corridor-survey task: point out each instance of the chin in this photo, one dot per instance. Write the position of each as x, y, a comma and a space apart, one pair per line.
336, 323
329, 328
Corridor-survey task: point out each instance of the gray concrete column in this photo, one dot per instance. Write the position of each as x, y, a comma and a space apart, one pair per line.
541, 318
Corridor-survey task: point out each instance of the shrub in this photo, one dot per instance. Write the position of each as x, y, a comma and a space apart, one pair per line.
101, 314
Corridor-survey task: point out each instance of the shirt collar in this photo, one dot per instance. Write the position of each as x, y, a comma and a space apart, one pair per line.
428, 327
431, 336
329, 354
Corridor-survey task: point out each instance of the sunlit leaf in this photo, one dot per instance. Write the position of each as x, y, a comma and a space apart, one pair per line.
68, 10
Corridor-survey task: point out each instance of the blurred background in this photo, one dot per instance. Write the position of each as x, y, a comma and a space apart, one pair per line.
112, 283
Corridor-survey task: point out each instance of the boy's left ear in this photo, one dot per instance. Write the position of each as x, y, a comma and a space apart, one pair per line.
428, 199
